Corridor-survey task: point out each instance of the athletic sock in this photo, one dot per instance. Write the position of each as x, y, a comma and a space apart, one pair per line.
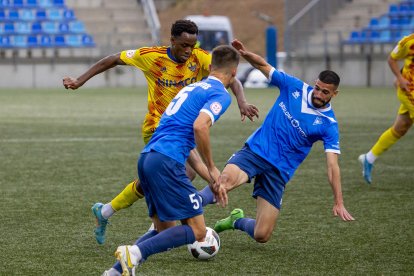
371, 157
168, 239
386, 140
127, 197
107, 211
245, 225
207, 196
144, 237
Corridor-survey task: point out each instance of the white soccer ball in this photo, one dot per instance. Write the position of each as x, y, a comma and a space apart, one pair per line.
206, 249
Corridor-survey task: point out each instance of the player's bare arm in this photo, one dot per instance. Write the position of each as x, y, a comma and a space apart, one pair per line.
395, 68
334, 177
99, 67
198, 165
202, 138
246, 110
255, 60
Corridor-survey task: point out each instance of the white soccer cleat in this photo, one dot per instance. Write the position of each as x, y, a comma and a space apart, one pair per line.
129, 257
111, 272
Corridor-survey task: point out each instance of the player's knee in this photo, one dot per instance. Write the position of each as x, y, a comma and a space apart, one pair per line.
262, 238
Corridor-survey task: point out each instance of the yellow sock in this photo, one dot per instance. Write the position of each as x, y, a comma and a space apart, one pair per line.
127, 197
386, 140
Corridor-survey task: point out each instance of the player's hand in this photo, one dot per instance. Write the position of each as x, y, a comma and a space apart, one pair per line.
248, 110
404, 84
71, 83
221, 196
339, 210
238, 46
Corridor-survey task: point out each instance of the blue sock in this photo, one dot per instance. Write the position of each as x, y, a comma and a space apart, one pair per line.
245, 225
168, 239
207, 196
144, 237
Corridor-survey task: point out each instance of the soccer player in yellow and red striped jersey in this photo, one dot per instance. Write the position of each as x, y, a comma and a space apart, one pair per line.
167, 70
405, 92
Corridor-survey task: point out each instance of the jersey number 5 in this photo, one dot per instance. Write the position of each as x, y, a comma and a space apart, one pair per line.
176, 103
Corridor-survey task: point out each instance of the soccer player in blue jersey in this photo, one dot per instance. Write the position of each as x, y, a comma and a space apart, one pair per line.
168, 191
300, 116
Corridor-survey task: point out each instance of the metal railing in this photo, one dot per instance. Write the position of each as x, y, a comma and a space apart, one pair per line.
152, 20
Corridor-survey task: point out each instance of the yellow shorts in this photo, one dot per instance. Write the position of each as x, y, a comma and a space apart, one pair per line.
407, 102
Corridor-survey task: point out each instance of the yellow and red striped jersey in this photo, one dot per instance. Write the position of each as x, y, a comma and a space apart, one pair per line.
405, 50
165, 78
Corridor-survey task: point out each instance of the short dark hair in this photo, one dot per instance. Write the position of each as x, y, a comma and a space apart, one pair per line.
224, 55
183, 26
329, 77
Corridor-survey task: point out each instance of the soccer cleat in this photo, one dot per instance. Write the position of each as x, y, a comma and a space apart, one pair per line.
128, 257
366, 168
228, 223
101, 223
111, 272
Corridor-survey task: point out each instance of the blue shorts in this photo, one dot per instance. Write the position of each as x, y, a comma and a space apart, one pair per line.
168, 191
268, 183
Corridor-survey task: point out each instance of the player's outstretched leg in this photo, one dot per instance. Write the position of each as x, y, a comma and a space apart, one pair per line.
228, 223
101, 222
366, 168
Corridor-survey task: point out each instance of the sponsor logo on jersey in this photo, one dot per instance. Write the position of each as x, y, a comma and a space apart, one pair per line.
174, 83
296, 94
295, 123
216, 108
318, 121
192, 67
130, 53
163, 69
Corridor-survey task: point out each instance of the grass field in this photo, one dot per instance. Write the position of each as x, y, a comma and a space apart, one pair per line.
63, 151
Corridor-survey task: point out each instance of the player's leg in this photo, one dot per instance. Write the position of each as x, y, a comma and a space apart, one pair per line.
402, 124
102, 212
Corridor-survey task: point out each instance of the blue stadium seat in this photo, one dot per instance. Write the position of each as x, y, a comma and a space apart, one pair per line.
14, 15
18, 3
9, 27
59, 41
353, 37
5, 4
87, 41
68, 14
5, 42
19, 41
27, 14
32, 41
54, 14
36, 28
74, 40
45, 41
63, 27
40, 14
393, 9
59, 3
77, 26
384, 22
22, 27
385, 36
32, 3
50, 27
1, 28
45, 3
374, 23
2, 15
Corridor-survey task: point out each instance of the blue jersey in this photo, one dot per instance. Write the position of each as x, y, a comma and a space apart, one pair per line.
292, 126
174, 136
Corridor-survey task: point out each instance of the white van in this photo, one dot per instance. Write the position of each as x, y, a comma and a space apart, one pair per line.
213, 30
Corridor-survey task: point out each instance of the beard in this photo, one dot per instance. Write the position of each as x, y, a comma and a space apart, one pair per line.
319, 103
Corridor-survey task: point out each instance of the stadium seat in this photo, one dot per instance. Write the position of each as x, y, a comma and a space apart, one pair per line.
5, 3
77, 26
13, 15
58, 3
64, 27
354, 37
32, 3
40, 14
22, 27
374, 23
385, 36
27, 14
18, 3
49, 27
36, 28
68, 14
32, 41
54, 14
59, 41
1, 28
45, 3
19, 41
87, 41
393, 9
45, 41
74, 40
5, 42
2, 15
9, 27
